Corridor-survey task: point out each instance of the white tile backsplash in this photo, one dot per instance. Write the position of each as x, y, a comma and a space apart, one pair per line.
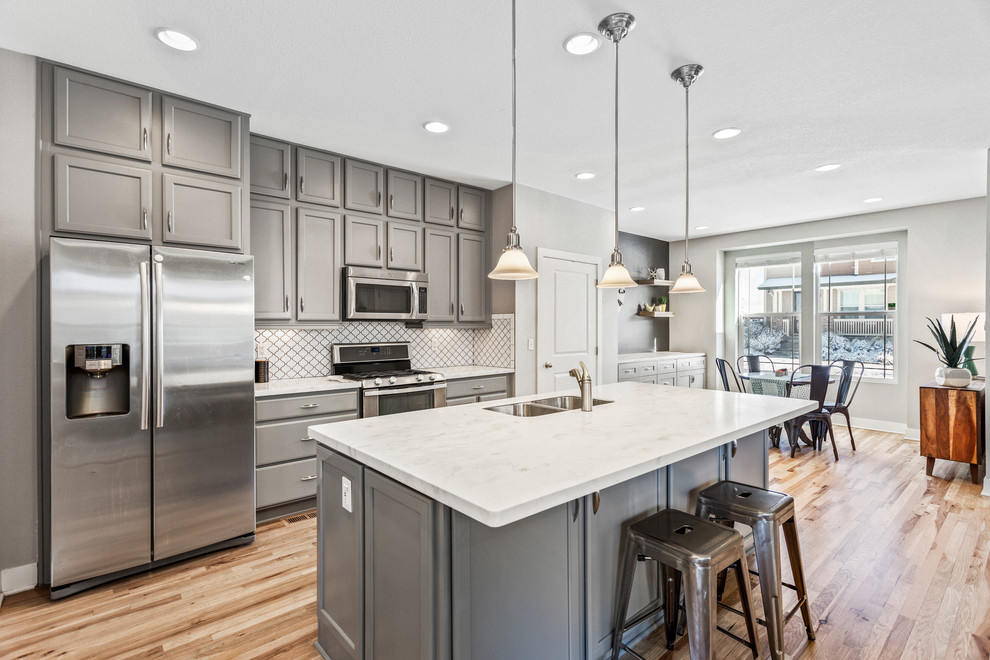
305, 353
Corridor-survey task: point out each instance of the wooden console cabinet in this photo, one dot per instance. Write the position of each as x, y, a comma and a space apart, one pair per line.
952, 425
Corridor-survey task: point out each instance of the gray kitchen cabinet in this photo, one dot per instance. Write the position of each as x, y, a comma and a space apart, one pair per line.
440, 202
405, 246
405, 195
271, 245
604, 531
471, 209
363, 186
461, 391
318, 250
440, 263
97, 197
695, 379
317, 177
200, 137
270, 167
472, 284
667, 380
363, 241
102, 115
201, 211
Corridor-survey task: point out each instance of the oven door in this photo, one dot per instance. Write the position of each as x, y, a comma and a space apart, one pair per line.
391, 400
369, 299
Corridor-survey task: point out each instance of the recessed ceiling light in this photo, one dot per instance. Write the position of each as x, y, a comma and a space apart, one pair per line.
873, 200
584, 176
701, 227
637, 209
436, 127
726, 133
176, 39
582, 43
828, 167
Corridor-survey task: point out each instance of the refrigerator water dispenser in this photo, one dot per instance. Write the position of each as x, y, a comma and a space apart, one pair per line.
96, 378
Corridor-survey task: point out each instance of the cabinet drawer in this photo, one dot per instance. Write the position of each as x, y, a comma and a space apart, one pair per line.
688, 364
630, 370
652, 379
286, 482
305, 406
668, 367
667, 380
475, 386
289, 440
461, 401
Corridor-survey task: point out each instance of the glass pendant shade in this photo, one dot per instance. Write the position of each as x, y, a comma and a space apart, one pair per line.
513, 264
616, 277
687, 282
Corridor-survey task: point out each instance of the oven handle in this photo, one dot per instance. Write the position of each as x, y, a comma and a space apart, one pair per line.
403, 390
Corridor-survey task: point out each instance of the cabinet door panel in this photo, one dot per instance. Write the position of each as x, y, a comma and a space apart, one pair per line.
405, 195
471, 282
440, 263
363, 241
405, 246
201, 211
270, 164
94, 197
199, 137
472, 209
318, 177
271, 227
441, 200
363, 185
319, 254
102, 115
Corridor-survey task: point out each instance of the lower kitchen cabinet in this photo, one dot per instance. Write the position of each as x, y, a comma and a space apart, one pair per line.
682, 372
285, 455
473, 390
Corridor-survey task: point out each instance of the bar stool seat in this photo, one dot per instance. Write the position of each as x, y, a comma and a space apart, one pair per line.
766, 511
694, 550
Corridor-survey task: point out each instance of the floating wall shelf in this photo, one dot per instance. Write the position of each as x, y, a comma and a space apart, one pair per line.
655, 282
656, 315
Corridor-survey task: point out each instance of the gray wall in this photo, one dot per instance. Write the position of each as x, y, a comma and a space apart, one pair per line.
638, 333
18, 313
942, 268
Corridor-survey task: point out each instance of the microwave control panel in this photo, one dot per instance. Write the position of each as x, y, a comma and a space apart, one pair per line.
422, 300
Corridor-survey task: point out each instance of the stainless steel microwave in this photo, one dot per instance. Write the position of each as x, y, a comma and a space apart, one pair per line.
371, 294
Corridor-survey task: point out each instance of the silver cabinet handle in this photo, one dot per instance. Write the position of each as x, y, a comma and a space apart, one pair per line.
596, 501
159, 350
302, 304
285, 181
171, 225
144, 218
379, 253
391, 201
548, 365
461, 216
735, 447
307, 438
307, 406
309, 478
144, 139
478, 387
286, 303
391, 255
302, 184
462, 308
451, 212
452, 308
145, 341
168, 144
379, 202
577, 509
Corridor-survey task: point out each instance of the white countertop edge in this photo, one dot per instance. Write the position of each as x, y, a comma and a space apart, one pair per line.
469, 371
314, 385
508, 515
661, 355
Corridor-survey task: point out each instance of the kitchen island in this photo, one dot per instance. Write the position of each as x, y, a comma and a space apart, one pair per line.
467, 533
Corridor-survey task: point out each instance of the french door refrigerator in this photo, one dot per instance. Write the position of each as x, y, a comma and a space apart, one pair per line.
149, 450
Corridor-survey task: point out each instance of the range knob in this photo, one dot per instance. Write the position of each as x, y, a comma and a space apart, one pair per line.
433, 376
391, 380
378, 381
419, 378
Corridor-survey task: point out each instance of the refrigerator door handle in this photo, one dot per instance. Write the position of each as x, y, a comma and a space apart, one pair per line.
145, 342
159, 350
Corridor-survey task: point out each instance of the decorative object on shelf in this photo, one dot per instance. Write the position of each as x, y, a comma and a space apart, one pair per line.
648, 307
662, 304
513, 264
950, 352
979, 336
686, 282
614, 27
657, 274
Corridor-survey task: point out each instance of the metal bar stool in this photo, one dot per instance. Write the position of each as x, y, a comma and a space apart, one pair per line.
698, 550
765, 511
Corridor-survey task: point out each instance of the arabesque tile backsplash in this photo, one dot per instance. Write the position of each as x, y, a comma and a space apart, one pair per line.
305, 353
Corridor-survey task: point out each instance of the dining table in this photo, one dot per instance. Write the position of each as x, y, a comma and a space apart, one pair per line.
774, 384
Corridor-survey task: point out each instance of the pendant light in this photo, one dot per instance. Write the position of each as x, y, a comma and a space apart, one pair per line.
513, 264
614, 27
686, 282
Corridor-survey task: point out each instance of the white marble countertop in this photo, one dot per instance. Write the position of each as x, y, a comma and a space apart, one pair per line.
499, 469
302, 386
469, 371
649, 355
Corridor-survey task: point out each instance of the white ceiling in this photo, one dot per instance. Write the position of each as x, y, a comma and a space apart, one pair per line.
896, 90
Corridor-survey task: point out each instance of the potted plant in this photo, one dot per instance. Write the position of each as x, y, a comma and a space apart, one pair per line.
662, 304
950, 351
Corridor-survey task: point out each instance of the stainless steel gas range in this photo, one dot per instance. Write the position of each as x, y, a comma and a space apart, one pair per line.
389, 384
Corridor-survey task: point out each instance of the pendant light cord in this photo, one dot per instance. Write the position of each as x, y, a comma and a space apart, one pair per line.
513, 230
615, 38
687, 170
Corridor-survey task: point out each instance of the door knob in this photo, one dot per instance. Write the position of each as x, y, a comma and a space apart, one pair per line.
548, 365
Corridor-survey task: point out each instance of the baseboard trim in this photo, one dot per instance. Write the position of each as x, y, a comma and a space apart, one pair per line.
18, 579
873, 424
913, 434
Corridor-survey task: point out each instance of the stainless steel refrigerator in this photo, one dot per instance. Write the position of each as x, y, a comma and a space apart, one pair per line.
149, 451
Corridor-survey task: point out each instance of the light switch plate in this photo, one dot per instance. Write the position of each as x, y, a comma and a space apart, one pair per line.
345, 495
532, 344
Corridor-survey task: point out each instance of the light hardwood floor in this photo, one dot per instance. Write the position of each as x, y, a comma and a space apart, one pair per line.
898, 566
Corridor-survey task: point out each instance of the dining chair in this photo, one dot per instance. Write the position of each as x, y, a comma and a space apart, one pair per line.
852, 373
725, 371
810, 381
754, 364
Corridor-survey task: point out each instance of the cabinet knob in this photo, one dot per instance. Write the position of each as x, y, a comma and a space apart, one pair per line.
548, 365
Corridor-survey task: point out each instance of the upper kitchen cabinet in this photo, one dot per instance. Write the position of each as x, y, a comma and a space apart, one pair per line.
363, 240
440, 263
96, 197
441, 198
201, 211
471, 209
102, 115
363, 185
201, 137
405, 246
318, 177
472, 284
318, 246
271, 229
405, 195
270, 163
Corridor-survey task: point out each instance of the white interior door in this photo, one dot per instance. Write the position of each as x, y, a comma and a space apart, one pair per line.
567, 327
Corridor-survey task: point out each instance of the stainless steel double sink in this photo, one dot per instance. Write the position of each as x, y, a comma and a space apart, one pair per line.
543, 406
